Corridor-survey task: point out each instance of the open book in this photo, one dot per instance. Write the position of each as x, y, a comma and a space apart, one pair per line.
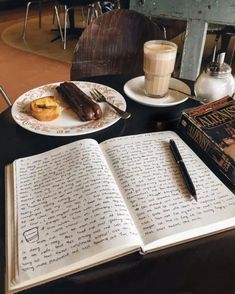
86, 203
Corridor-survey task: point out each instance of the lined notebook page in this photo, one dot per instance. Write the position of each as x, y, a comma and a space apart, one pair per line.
155, 193
69, 208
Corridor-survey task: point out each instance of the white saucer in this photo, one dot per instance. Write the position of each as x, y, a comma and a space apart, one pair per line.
134, 89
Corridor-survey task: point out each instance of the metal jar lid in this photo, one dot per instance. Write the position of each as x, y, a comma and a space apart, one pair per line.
218, 68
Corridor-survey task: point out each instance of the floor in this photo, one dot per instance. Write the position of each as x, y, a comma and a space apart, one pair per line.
21, 71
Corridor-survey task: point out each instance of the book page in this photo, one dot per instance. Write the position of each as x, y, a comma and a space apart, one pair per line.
69, 209
155, 193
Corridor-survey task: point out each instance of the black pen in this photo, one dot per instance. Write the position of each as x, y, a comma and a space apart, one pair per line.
183, 169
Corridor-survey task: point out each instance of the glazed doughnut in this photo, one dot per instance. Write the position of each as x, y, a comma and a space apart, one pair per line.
45, 108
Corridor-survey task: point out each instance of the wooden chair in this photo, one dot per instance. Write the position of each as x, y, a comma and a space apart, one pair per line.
113, 44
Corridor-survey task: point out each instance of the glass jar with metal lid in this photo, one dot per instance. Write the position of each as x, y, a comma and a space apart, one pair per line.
216, 81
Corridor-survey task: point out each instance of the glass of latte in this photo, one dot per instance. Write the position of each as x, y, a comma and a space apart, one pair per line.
159, 63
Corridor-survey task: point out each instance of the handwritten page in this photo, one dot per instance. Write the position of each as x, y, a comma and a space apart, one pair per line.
154, 190
69, 208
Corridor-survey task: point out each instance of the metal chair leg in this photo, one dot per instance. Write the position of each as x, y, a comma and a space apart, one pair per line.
84, 21
55, 3
65, 25
95, 11
92, 13
164, 32
27, 14
26, 20
4, 95
89, 15
118, 4
59, 23
91, 10
98, 8
63, 35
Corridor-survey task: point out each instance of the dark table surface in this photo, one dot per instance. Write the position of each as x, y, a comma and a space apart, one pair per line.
201, 266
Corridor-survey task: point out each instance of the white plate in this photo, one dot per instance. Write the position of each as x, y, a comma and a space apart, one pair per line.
67, 124
134, 89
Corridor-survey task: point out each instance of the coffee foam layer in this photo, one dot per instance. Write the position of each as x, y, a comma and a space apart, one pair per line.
160, 47
160, 51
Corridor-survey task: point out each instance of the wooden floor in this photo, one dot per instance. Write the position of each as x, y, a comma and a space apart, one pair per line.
21, 71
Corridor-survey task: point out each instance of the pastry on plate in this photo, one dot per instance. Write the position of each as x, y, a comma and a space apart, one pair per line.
45, 108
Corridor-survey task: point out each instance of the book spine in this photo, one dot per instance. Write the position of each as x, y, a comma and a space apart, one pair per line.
210, 148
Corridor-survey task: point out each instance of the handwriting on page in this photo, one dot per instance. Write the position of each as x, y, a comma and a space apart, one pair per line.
68, 204
154, 190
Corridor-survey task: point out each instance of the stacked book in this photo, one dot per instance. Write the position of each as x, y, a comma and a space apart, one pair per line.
212, 128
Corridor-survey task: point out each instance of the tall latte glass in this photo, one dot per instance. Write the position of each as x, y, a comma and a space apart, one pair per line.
159, 62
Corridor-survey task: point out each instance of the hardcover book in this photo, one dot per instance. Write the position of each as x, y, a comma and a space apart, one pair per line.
212, 128
86, 203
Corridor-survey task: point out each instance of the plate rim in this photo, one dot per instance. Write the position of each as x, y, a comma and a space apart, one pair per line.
146, 103
115, 119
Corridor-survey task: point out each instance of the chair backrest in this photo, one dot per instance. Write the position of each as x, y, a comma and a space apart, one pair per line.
113, 44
